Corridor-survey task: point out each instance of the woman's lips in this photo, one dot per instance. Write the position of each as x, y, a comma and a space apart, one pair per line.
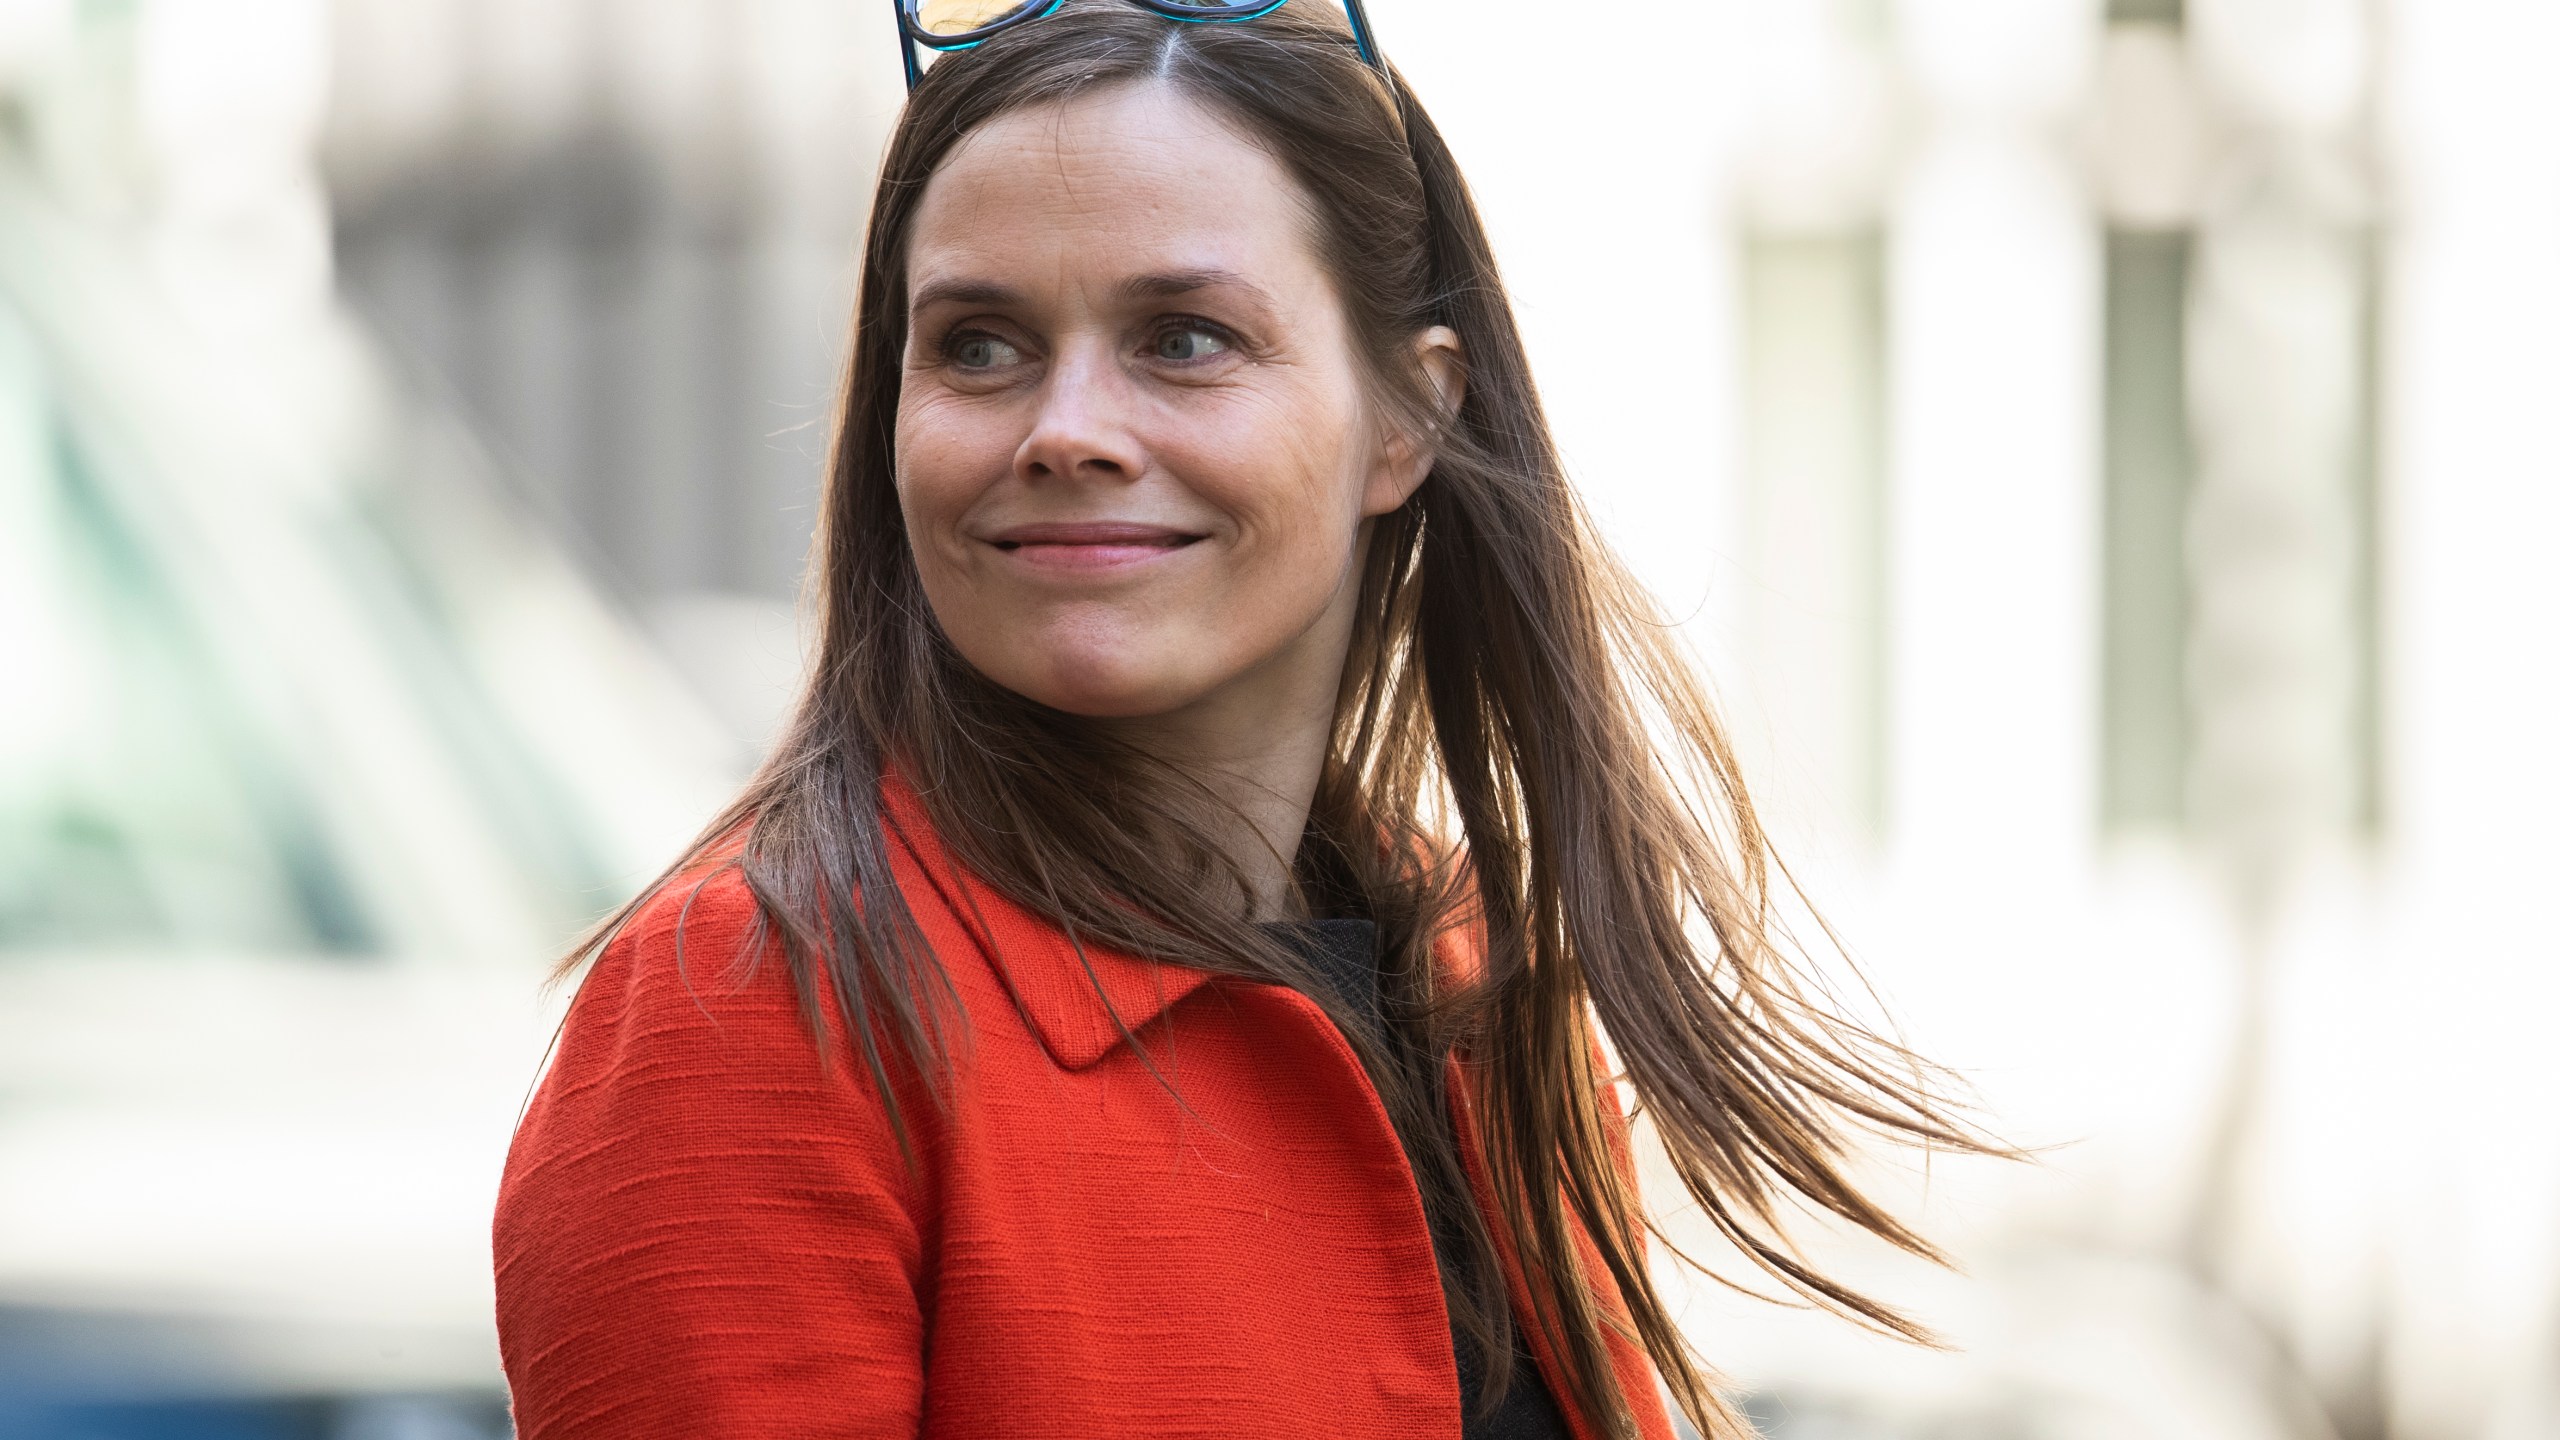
1092, 545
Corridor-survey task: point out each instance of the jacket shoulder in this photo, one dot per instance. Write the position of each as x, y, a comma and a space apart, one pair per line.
707, 1223
690, 1009
698, 964
702, 925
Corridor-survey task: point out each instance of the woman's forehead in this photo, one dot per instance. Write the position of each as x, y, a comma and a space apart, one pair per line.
1122, 189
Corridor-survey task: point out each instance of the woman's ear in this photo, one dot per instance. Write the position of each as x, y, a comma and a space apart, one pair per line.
1408, 456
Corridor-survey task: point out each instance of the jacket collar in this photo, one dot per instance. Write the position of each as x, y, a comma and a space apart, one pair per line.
1083, 1001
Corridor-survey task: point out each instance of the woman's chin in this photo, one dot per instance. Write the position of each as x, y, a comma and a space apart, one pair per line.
1099, 687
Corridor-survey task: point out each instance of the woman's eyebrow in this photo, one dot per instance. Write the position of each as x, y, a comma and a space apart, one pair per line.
1169, 284
963, 292
1161, 285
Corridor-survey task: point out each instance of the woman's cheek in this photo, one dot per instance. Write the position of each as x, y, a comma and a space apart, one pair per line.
936, 488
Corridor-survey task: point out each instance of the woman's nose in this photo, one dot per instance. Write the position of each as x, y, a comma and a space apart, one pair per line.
1084, 428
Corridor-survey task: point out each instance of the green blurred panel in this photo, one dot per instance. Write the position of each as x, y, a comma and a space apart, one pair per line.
281, 668
141, 805
2149, 471
2371, 558
2155, 12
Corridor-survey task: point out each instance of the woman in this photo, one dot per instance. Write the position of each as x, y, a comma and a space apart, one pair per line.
1150, 989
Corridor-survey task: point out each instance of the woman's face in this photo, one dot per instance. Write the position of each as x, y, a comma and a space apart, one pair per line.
1133, 452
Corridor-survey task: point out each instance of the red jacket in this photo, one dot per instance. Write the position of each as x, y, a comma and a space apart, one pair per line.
704, 1234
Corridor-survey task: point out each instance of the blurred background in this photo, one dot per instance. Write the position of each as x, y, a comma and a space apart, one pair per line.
2105, 454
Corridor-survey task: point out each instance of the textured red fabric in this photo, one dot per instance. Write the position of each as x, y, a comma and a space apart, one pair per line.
707, 1230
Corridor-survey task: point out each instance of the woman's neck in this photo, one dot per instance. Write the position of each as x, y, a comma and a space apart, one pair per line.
1261, 754
1259, 743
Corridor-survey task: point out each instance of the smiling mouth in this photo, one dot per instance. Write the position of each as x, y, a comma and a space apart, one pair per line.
1098, 546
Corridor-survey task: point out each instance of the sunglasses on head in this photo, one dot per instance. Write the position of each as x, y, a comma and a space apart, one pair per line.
959, 24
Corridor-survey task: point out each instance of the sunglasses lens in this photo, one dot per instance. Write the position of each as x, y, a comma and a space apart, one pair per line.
1215, 9
960, 17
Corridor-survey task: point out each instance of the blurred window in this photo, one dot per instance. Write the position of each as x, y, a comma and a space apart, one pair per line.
1815, 371
2241, 673
2154, 12
2149, 469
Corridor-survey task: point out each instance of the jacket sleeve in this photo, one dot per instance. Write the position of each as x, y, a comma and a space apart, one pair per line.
703, 1231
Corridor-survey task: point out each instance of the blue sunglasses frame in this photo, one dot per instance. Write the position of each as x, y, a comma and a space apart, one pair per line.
912, 33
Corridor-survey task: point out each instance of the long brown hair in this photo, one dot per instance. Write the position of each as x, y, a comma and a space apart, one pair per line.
1506, 678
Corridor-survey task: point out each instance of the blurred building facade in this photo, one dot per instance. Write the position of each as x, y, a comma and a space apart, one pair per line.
313, 747
622, 236
2107, 471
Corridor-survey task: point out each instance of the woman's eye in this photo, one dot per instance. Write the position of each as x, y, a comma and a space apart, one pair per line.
1187, 343
980, 352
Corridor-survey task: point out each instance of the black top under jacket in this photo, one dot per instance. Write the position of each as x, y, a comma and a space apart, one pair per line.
1346, 953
